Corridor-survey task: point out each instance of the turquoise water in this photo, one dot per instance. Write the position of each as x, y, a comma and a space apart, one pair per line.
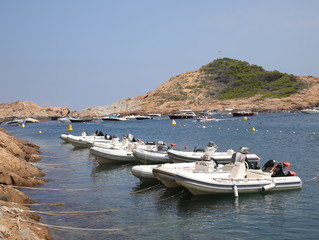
122, 208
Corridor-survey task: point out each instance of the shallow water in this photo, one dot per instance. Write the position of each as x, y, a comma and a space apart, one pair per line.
125, 209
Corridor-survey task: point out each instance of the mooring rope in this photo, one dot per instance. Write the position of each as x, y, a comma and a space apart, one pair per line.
73, 228
15, 210
175, 195
54, 189
48, 156
68, 213
42, 204
311, 179
145, 189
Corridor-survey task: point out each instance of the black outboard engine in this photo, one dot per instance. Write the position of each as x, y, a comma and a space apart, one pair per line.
211, 144
99, 133
278, 169
108, 137
162, 148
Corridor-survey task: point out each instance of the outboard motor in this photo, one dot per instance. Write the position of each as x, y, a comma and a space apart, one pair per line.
130, 137
199, 149
211, 147
211, 144
162, 148
108, 137
278, 169
99, 133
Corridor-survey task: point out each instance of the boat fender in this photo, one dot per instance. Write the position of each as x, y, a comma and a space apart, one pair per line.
268, 187
235, 190
291, 173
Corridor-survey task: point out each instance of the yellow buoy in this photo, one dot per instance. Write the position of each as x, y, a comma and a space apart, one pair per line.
245, 118
39, 132
70, 129
173, 123
253, 129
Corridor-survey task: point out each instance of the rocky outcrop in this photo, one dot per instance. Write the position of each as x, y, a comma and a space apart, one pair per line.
16, 220
199, 100
31, 109
120, 106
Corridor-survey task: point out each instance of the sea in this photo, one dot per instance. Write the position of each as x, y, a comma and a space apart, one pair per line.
83, 199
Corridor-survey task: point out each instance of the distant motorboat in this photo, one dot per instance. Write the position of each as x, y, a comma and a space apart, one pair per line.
138, 117
80, 120
115, 117
243, 113
64, 119
14, 122
20, 121
31, 120
154, 114
182, 114
207, 119
143, 117
311, 110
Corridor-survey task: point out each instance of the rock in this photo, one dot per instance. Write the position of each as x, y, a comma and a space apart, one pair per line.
200, 101
16, 220
31, 109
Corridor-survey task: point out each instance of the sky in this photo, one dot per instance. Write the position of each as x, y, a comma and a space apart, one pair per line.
82, 53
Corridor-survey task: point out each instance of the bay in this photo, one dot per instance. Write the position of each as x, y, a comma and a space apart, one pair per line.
123, 208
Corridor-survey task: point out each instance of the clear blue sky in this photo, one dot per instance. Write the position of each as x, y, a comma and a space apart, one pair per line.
91, 53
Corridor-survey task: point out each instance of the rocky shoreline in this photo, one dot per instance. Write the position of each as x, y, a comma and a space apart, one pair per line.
16, 219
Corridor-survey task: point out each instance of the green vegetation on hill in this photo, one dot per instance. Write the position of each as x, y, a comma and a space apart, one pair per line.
239, 79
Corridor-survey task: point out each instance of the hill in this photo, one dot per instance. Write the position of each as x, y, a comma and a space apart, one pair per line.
223, 84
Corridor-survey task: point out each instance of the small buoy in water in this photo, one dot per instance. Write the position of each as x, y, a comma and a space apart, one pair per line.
245, 118
253, 129
173, 123
70, 129
40, 132
23, 126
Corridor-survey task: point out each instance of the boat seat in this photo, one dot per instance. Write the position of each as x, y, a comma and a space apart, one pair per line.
238, 171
